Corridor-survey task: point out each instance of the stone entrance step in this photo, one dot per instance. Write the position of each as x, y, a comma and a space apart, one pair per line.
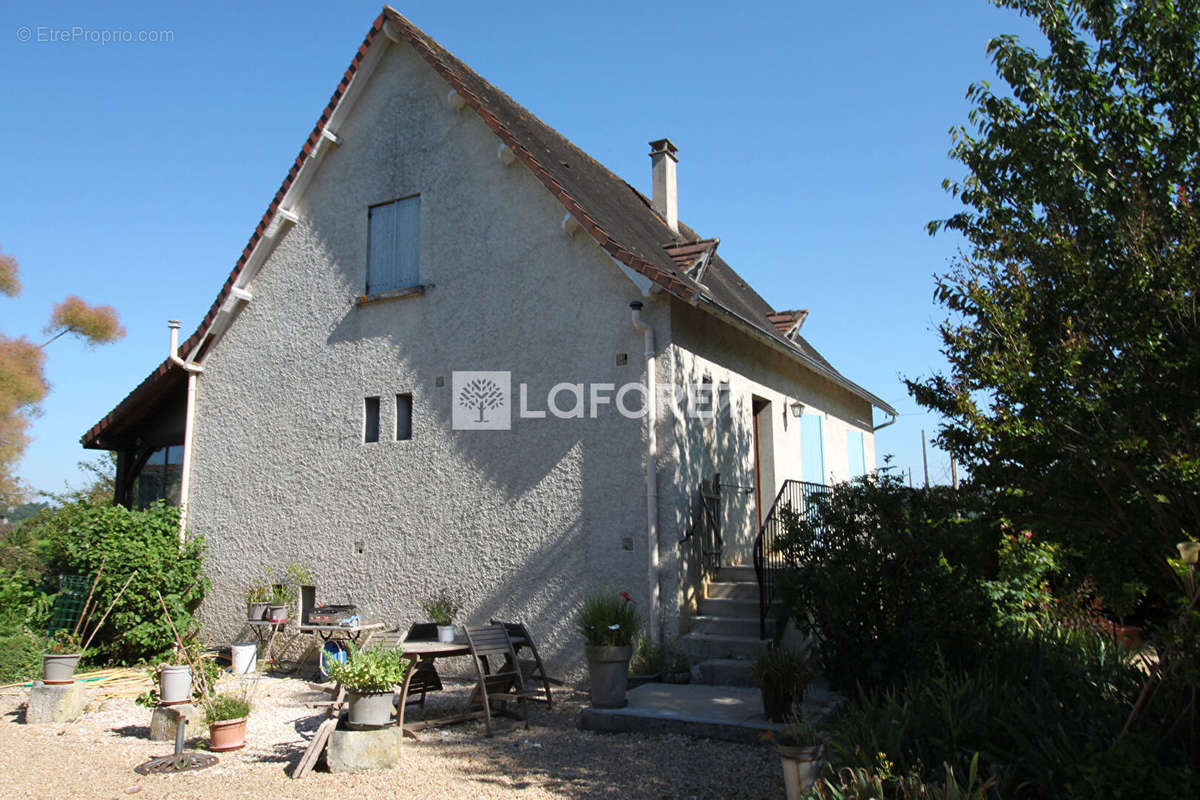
726, 672
729, 713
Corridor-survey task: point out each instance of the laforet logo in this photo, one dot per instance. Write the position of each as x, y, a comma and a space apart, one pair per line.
482, 401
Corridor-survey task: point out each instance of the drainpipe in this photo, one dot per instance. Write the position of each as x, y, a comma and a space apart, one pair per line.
883, 425
651, 470
185, 478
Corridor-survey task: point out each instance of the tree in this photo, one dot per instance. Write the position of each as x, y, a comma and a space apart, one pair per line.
1073, 339
22, 381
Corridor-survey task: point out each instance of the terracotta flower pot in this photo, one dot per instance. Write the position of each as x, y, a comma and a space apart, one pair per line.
608, 671
229, 734
59, 669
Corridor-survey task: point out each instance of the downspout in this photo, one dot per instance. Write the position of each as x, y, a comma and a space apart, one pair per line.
185, 478
883, 425
652, 575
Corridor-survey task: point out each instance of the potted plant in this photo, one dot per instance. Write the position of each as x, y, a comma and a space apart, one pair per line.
442, 610
63, 651
800, 749
782, 676
226, 715
282, 596
608, 623
370, 678
258, 600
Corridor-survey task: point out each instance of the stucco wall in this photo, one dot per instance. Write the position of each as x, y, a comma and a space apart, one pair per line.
519, 523
702, 347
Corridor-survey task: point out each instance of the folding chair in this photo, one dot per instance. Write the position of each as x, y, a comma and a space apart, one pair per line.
532, 669
505, 685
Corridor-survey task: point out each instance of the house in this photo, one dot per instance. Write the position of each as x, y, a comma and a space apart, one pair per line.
429, 369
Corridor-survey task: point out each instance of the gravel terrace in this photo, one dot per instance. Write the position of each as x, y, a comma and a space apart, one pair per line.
94, 757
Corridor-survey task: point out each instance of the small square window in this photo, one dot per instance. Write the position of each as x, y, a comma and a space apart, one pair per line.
403, 417
371, 420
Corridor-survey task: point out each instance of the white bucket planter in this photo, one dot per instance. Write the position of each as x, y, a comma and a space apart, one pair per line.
801, 766
446, 633
174, 685
244, 656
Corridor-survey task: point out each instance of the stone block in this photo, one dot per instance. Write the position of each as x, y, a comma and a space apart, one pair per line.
54, 704
165, 720
359, 751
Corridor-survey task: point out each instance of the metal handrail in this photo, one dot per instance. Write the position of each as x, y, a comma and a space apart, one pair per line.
767, 558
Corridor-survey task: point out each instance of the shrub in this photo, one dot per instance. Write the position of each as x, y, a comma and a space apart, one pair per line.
1042, 711
607, 619
83, 535
886, 578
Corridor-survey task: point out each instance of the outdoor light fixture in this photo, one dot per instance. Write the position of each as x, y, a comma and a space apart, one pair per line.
1189, 552
797, 409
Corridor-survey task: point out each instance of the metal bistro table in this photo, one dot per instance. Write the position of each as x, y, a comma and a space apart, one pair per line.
359, 635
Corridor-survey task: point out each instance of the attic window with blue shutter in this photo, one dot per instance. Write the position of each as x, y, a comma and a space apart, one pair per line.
394, 249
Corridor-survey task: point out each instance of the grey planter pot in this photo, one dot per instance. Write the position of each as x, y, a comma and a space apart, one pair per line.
277, 613
174, 685
608, 671
370, 709
59, 669
257, 611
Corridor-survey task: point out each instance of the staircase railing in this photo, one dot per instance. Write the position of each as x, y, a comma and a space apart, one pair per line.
794, 495
705, 532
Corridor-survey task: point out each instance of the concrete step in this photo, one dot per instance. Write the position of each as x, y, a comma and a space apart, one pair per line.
737, 573
703, 646
726, 672
731, 590
714, 712
724, 607
728, 626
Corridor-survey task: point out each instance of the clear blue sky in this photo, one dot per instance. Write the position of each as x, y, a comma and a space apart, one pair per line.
812, 140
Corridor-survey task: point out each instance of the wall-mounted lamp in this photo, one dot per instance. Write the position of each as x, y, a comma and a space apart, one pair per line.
797, 409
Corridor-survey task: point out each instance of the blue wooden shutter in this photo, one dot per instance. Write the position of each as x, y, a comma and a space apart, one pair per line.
856, 452
812, 450
394, 246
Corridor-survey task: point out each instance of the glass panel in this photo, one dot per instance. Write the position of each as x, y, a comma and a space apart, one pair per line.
403, 417
371, 421
812, 450
159, 478
856, 452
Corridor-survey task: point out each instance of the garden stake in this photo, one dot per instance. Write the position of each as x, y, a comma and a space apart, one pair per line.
108, 611
83, 611
196, 673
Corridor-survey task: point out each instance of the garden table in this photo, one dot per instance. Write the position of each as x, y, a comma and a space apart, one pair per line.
429, 650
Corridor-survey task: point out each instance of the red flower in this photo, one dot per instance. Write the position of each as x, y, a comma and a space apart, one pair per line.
1028, 534
628, 599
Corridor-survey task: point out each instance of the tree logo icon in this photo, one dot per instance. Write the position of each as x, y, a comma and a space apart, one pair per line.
481, 400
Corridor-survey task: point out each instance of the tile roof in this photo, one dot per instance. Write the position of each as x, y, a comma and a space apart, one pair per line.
615, 214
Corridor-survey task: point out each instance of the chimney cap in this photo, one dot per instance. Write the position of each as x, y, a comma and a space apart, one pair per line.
664, 146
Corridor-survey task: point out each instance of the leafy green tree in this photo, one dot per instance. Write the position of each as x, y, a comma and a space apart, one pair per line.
1072, 339
22, 381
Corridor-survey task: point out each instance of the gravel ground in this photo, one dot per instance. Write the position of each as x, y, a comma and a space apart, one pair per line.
94, 757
